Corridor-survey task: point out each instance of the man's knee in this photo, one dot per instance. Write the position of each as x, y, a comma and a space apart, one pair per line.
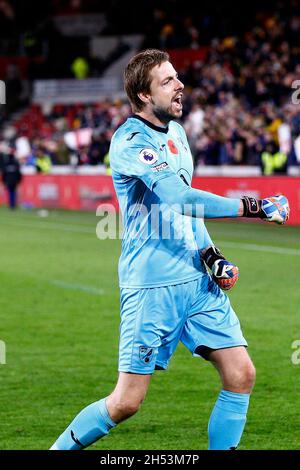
127, 396
242, 379
126, 407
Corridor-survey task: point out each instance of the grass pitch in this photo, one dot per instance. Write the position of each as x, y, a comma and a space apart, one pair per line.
59, 312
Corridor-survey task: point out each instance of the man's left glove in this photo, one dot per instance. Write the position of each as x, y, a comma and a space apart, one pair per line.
224, 273
272, 209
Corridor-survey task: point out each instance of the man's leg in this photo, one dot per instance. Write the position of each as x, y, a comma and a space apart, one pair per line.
11, 197
228, 417
213, 331
96, 420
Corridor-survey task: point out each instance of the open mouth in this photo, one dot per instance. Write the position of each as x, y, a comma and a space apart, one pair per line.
178, 101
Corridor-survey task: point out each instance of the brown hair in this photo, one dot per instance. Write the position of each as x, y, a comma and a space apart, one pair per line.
137, 77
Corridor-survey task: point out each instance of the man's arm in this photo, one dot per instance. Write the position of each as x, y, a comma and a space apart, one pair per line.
202, 204
201, 234
143, 160
194, 202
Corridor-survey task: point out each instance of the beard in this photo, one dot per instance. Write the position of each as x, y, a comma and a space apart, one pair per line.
165, 115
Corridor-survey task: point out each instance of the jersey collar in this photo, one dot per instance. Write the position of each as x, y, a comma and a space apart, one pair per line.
164, 130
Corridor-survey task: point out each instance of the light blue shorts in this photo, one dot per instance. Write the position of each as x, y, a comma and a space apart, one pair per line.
154, 320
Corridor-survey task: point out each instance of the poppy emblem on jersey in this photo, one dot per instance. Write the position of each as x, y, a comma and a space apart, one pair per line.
148, 156
146, 354
172, 147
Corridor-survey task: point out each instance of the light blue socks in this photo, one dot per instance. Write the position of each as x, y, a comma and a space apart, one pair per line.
225, 426
227, 420
92, 423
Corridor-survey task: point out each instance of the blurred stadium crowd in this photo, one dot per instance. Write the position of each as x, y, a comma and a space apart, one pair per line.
238, 98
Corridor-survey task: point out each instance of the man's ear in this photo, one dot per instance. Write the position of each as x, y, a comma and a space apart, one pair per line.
144, 97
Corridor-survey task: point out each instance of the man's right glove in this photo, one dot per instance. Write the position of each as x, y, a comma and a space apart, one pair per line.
224, 273
272, 209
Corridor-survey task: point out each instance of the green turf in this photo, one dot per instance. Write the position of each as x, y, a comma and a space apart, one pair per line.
59, 313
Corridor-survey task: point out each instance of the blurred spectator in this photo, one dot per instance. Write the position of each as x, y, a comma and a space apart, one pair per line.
43, 162
80, 68
107, 164
98, 149
273, 161
11, 174
82, 155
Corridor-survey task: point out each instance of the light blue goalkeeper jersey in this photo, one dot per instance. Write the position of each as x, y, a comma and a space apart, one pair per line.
159, 245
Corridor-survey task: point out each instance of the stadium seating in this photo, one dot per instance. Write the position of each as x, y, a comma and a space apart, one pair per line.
238, 74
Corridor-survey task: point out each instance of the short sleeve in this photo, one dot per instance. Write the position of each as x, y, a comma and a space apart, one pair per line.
140, 159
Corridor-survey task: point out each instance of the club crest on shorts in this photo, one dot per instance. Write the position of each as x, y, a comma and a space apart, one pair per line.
146, 354
148, 156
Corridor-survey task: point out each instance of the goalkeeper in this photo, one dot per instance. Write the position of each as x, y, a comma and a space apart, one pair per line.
167, 293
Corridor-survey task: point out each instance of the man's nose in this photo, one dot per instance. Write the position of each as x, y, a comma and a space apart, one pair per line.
179, 85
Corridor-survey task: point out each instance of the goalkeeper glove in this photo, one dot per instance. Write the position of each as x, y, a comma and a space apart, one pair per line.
272, 209
224, 273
